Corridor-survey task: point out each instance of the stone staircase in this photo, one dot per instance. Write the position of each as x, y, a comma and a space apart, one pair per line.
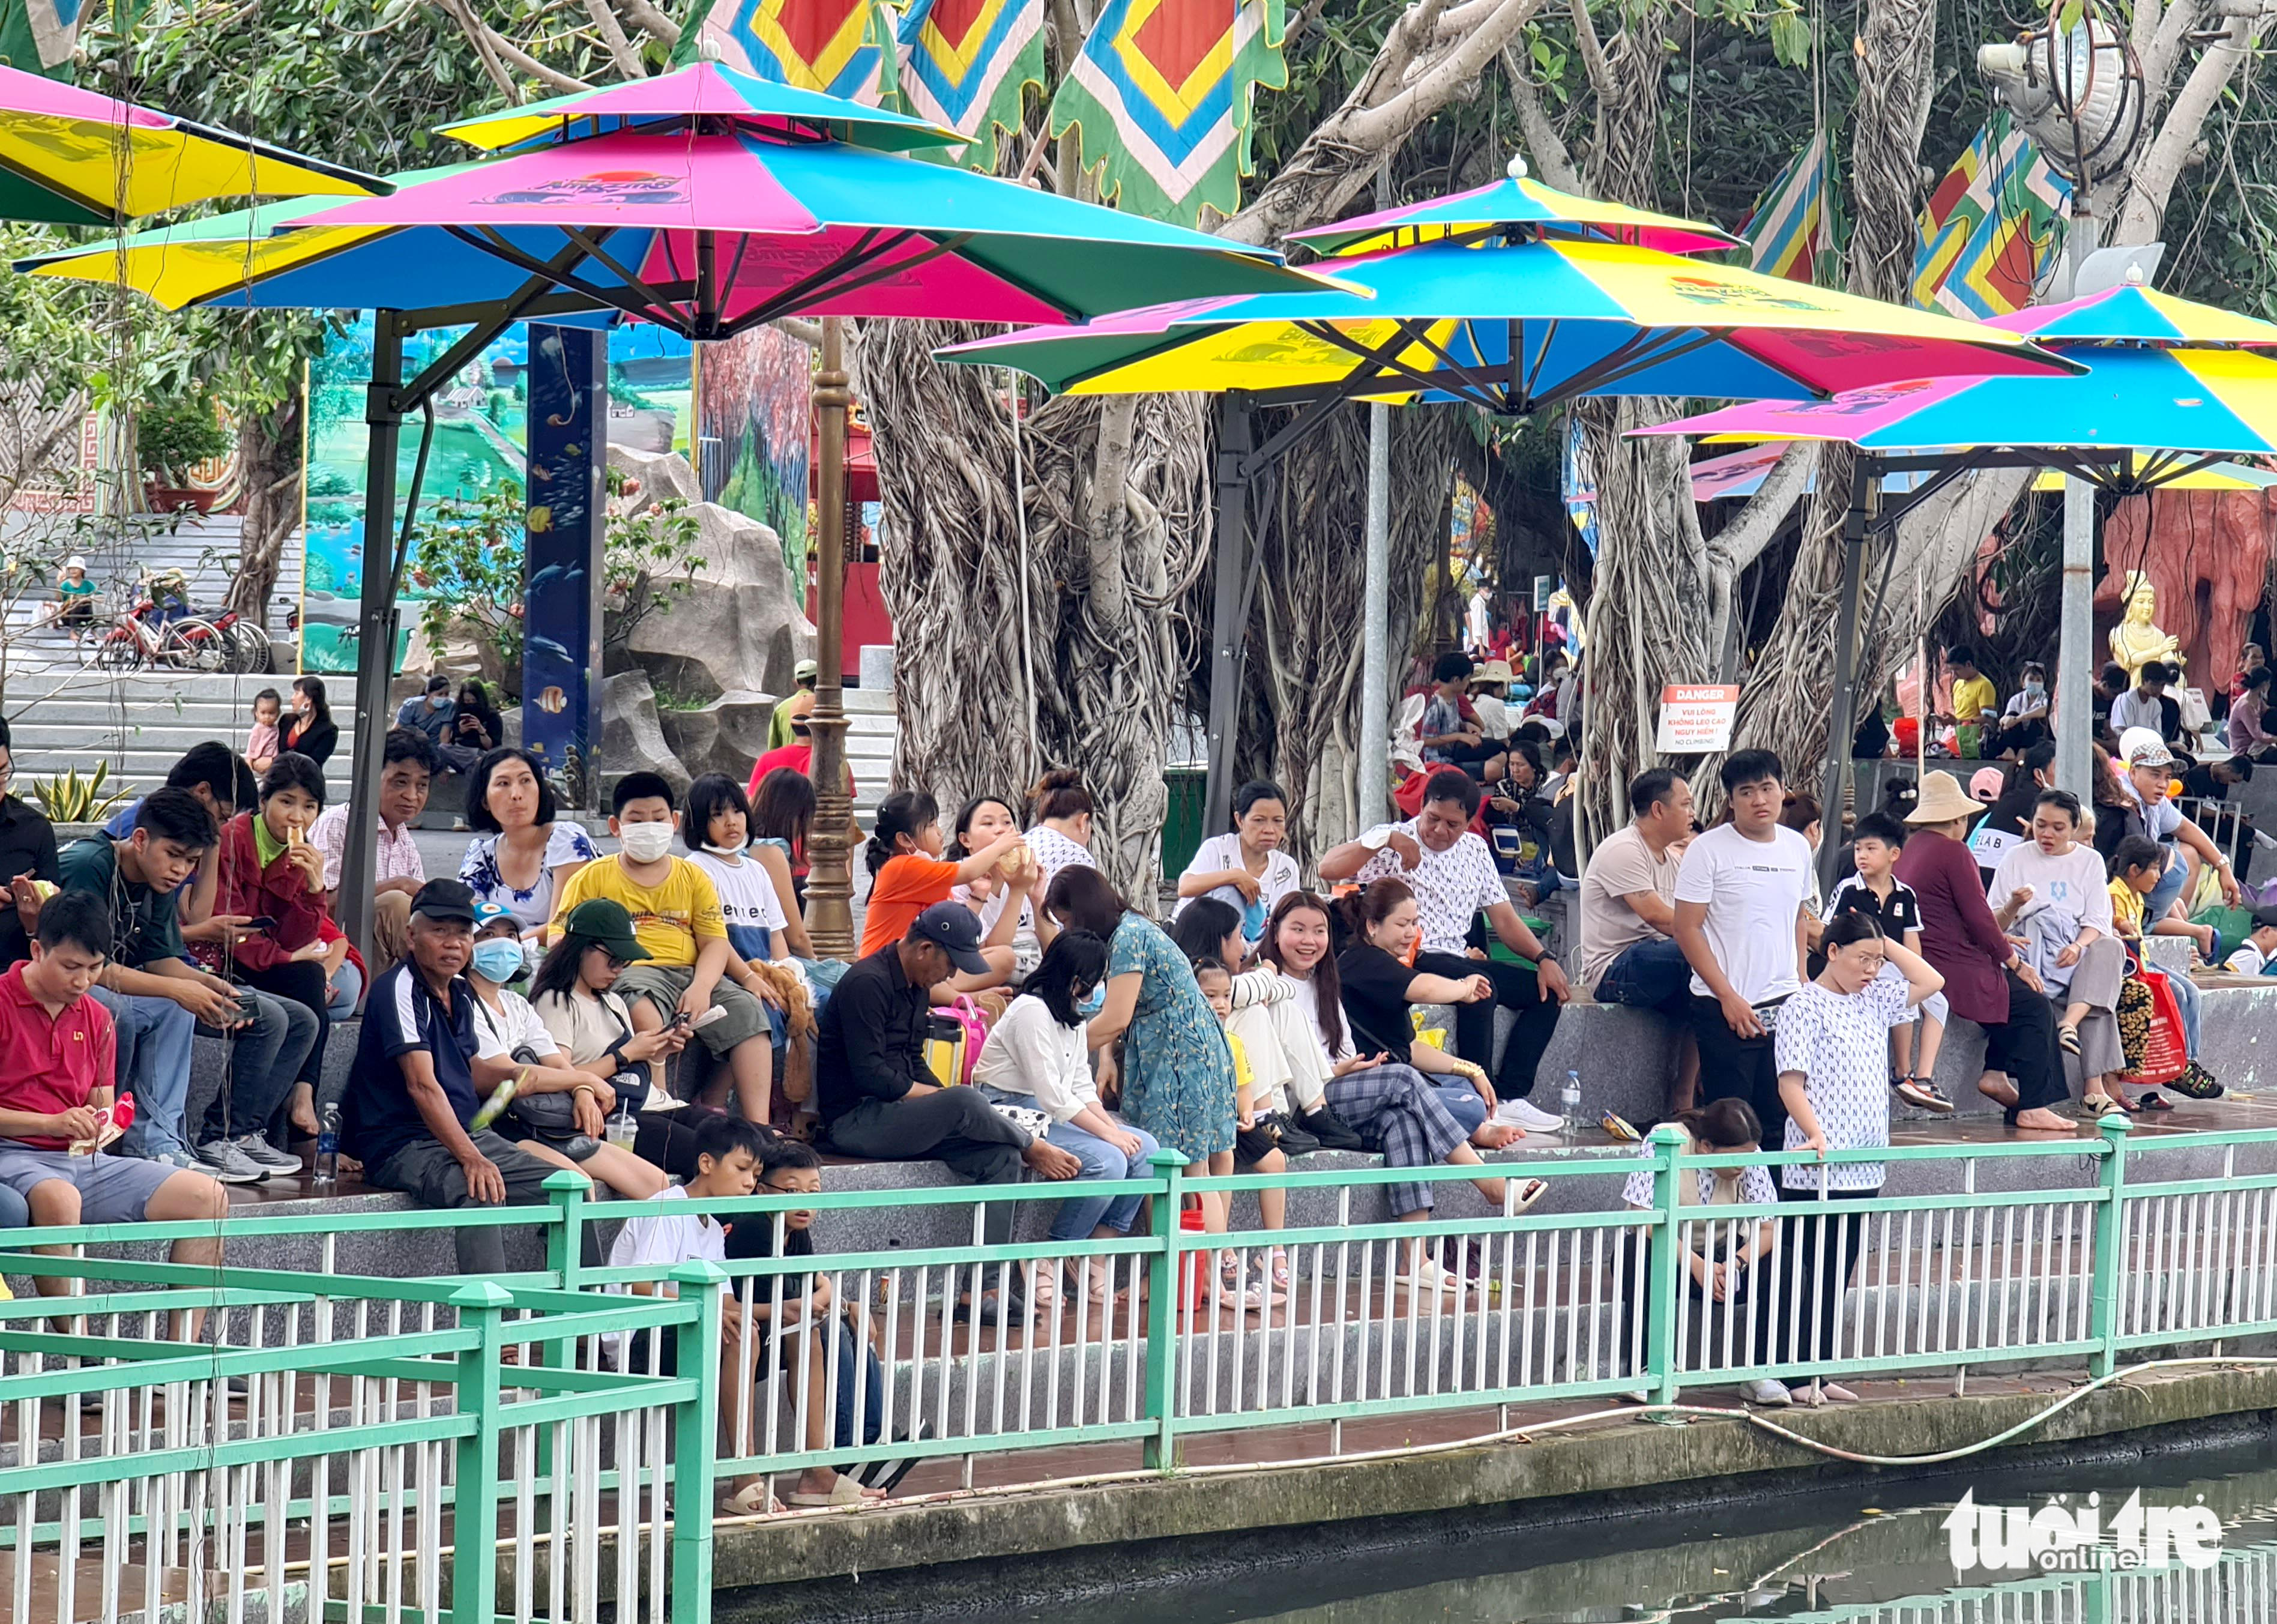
203, 549
870, 732
141, 723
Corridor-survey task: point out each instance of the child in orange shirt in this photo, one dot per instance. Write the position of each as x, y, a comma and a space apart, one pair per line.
908, 875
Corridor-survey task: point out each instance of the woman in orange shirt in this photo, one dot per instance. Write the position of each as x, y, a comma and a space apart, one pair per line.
908, 875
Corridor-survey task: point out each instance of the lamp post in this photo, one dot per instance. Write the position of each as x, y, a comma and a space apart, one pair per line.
829, 844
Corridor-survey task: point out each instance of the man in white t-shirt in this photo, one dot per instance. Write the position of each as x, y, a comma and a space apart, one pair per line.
1454, 879
1742, 904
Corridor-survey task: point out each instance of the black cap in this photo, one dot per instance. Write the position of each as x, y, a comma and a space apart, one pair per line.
955, 929
2265, 917
445, 899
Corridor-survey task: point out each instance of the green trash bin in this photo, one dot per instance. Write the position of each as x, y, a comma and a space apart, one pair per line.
1182, 822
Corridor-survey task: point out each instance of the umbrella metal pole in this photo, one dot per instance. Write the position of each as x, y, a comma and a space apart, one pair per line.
1857, 525
829, 844
374, 629
1374, 633
1226, 619
2075, 644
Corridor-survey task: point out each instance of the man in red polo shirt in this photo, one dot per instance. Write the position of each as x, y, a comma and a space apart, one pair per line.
57, 1063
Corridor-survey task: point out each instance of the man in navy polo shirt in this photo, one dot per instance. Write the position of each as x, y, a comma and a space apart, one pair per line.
410, 1104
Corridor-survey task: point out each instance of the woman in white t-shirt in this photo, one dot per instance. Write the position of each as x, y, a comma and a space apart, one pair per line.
981, 822
1833, 1044
507, 1027
1061, 836
1246, 868
2051, 894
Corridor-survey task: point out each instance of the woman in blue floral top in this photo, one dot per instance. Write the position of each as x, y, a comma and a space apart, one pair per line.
520, 857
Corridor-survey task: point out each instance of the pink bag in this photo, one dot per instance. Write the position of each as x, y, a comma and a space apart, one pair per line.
967, 1014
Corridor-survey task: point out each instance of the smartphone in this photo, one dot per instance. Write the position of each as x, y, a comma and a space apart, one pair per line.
265, 922
680, 1019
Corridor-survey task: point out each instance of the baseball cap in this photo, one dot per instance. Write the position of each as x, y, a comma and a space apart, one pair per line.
445, 899
1987, 783
806, 670
605, 924
489, 913
955, 929
2150, 752
2265, 917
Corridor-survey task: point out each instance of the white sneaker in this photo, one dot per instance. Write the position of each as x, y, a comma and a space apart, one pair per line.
1430, 1277
222, 1160
178, 1158
1767, 1392
1531, 1118
266, 1156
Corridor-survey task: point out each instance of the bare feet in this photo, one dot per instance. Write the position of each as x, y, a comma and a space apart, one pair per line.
303, 1110
1049, 1161
1996, 1087
2041, 1121
1496, 1135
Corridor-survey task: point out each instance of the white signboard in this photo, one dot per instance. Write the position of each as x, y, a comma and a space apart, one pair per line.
1696, 718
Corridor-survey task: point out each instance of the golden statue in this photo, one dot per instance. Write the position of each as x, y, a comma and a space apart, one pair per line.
2136, 640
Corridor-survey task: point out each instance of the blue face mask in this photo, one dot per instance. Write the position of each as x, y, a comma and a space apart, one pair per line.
498, 959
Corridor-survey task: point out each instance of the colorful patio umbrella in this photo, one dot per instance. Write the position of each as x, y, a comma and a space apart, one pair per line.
1514, 328
1515, 207
739, 207
2167, 386
1737, 475
74, 157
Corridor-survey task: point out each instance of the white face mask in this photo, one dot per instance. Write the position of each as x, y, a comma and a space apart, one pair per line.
723, 852
646, 843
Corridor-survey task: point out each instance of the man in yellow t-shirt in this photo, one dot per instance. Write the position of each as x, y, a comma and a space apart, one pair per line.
675, 912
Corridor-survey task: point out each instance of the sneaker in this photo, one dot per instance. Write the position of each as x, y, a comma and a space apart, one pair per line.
1924, 1094
1766, 1391
223, 1160
181, 1159
1531, 1118
266, 1156
1429, 1277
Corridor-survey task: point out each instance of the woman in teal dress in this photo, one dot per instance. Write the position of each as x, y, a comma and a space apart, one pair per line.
1177, 1071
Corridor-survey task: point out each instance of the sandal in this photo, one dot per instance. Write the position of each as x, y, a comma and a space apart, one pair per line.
2152, 1102
845, 1492
2068, 1037
2097, 1106
1280, 1270
750, 1500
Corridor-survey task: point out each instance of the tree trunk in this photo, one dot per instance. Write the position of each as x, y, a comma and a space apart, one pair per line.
269, 459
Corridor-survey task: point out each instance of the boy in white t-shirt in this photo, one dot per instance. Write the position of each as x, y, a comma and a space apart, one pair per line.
2256, 955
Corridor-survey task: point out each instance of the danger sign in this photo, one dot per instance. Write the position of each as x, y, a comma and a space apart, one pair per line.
1695, 719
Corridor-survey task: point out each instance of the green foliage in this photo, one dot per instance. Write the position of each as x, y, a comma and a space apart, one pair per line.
469, 561
172, 436
69, 798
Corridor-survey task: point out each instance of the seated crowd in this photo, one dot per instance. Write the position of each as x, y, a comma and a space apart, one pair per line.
644, 1017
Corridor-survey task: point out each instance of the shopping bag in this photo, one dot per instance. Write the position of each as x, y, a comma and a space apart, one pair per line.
2150, 1029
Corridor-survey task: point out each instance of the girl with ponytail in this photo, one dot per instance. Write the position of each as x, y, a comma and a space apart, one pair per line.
908, 875
1061, 836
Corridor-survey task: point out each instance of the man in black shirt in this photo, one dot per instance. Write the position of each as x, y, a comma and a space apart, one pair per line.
878, 1098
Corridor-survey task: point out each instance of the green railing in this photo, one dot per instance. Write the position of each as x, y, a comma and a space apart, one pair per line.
2080, 1253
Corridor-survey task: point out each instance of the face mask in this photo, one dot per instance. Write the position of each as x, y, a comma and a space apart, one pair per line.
723, 852
498, 959
2035, 689
644, 842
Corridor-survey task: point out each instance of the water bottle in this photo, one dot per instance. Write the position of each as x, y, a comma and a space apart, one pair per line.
327, 1176
1569, 1100
622, 1128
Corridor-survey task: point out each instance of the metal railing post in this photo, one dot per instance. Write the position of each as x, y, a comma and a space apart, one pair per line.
695, 1434
474, 1534
1162, 1306
565, 1241
1667, 1141
2111, 1182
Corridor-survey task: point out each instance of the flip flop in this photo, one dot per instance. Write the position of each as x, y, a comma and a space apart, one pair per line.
845, 1492
2154, 1101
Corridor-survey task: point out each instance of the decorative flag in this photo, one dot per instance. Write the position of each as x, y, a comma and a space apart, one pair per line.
39, 37
1994, 222
968, 63
837, 46
1787, 230
1160, 91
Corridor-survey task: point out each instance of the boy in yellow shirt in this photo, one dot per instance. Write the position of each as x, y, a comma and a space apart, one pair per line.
691, 978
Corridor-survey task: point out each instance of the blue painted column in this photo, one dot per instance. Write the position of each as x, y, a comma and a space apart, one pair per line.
568, 425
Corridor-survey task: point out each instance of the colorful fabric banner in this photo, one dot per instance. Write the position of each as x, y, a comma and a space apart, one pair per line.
1160, 91
39, 37
1994, 222
968, 63
1787, 229
836, 46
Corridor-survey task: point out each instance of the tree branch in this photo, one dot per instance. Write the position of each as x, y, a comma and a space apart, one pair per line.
1593, 52
807, 333
613, 34
480, 36
1742, 541
1550, 155
2151, 185
651, 22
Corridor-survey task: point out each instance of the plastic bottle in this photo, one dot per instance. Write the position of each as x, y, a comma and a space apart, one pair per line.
1569, 1100
326, 1178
